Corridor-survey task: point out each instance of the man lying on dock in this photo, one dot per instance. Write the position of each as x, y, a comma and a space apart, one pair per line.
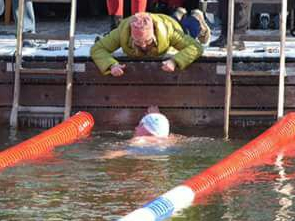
146, 35
151, 137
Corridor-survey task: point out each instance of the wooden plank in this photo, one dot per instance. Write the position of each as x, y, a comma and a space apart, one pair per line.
42, 109
136, 73
128, 118
252, 112
141, 96
255, 74
150, 72
183, 121
35, 36
43, 71
197, 73
260, 37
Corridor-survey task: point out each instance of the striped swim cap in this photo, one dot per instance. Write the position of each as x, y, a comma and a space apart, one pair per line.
157, 124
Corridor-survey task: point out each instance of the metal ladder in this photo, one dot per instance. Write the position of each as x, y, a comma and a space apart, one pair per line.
229, 65
16, 108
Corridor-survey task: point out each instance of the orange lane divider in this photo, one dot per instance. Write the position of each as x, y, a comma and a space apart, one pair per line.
271, 142
74, 128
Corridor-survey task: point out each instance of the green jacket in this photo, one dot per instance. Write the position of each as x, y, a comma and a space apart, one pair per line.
168, 34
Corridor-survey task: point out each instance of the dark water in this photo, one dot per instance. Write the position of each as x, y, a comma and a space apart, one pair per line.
75, 183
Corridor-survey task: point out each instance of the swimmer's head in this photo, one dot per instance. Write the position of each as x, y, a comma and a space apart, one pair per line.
153, 124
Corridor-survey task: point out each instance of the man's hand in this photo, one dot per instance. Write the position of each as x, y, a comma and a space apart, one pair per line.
117, 70
168, 65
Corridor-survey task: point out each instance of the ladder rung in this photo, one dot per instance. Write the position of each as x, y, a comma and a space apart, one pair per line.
45, 36
255, 73
42, 71
252, 113
52, 1
41, 109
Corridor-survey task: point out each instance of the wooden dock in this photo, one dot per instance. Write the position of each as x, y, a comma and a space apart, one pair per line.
191, 97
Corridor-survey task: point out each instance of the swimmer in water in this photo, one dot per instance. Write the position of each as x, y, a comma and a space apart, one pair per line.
153, 131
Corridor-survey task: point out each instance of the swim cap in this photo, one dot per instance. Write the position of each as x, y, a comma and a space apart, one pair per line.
157, 124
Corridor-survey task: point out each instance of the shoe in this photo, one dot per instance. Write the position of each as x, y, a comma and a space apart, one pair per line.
97, 38
239, 45
115, 21
205, 33
179, 13
220, 42
30, 44
101, 36
52, 48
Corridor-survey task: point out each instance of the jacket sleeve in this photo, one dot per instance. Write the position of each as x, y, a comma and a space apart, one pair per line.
189, 49
101, 51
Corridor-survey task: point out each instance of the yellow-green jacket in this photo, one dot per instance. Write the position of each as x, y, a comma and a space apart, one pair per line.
168, 34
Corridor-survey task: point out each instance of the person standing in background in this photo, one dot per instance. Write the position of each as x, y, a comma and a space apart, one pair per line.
29, 25
29, 16
2, 7
191, 5
241, 22
169, 6
116, 10
193, 24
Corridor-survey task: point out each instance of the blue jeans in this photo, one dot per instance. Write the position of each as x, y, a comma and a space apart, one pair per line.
29, 16
1, 7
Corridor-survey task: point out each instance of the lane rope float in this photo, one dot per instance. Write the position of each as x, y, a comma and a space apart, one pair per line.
72, 129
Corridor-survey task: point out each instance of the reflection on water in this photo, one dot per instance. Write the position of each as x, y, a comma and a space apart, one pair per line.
284, 188
75, 183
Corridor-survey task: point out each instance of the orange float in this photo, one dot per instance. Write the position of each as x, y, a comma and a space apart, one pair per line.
72, 129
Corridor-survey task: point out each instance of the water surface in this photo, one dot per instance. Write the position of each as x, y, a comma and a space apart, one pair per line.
75, 183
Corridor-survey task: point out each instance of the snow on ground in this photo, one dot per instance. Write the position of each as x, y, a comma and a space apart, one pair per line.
87, 30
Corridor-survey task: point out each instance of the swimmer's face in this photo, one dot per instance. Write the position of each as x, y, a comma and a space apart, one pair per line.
141, 131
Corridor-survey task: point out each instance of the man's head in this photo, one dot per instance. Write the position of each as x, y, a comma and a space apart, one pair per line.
142, 29
154, 124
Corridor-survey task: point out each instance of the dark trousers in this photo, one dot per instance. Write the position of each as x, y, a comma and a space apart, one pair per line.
116, 7
242, 11
191, 4
29, 16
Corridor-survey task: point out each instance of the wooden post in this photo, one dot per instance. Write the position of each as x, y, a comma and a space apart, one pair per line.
283, 27
18, 55
229, 61
70, 65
